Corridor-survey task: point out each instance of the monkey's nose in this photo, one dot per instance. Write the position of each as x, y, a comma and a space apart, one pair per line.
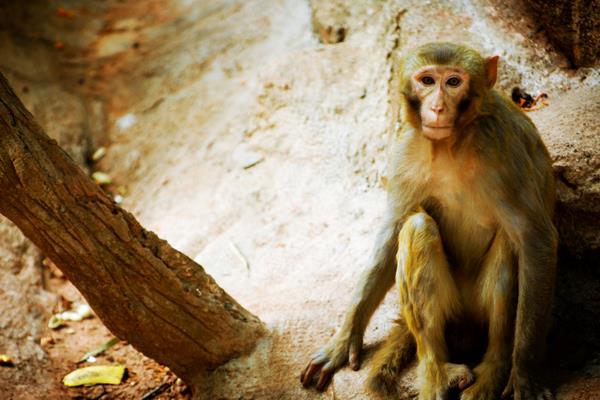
437, 109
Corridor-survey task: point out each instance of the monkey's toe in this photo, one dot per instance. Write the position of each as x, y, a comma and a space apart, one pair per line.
459, 375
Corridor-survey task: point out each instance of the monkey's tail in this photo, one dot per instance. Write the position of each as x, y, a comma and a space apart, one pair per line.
397, 351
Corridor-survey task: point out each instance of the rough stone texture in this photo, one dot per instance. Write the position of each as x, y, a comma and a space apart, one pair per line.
573, 26
571, 129
211, 80
42, 56
25, 309
30, 61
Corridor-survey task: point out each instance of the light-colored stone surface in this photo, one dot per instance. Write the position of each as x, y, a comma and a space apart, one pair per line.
571, 129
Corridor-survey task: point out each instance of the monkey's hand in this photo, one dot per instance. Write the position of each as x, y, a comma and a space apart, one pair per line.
341, 348
524, 386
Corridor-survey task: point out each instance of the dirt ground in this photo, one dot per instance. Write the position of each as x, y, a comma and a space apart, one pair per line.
259, 152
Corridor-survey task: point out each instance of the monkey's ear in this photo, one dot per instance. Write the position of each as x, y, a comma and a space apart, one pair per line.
491, 70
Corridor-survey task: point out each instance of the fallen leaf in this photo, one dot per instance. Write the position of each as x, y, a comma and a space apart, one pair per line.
98, 154
82, 311
101, 178
94, 375
6, 361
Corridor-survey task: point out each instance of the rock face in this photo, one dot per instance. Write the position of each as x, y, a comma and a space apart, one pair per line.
571, 130
44, 61
573, 26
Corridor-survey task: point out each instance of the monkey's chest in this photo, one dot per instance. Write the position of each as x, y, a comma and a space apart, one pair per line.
466, 225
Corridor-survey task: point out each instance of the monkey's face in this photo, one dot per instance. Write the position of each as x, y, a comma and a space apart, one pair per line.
440, 90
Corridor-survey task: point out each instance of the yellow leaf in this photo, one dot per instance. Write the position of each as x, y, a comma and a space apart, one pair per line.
97, 374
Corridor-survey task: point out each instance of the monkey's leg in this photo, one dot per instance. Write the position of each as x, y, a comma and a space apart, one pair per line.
497, 295
428, 299
390, 359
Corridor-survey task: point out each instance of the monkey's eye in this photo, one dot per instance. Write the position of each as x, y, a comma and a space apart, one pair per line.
453, 82
427, 80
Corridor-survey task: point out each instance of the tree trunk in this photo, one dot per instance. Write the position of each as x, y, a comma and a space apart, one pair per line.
146, 292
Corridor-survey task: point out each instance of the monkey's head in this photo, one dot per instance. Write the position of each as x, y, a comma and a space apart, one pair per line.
443, 85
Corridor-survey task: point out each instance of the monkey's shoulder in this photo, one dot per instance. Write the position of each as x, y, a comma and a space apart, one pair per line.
502, 129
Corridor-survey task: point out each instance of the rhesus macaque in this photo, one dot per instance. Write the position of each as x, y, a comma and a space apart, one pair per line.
468, 239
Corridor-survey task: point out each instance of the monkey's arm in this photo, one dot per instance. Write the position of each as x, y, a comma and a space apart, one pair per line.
536, 244
404, 195
375, 281
526, 218
373, 285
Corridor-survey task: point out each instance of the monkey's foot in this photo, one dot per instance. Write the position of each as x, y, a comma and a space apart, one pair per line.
390, 359
487, 386
384, 381
524, 386
333, 356
459, 376
436, 380
488, 383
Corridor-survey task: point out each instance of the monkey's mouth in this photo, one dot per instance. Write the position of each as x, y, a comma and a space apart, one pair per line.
438, 127
437, 132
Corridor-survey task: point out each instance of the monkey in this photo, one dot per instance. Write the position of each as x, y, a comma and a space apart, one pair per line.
467, 240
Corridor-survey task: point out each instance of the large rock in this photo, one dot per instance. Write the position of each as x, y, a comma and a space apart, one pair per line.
42, 49
573, 27
571, 130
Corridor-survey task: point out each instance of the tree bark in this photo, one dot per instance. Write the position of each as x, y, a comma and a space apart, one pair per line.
146, 292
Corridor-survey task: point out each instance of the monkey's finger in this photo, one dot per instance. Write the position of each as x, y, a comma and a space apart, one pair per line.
508, 391
326, 374
354, 361
304, 372
466, 380
516, 394
547, 395
308, 373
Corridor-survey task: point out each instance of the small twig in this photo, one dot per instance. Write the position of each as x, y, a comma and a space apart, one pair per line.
156, 391
99, 350
239, 254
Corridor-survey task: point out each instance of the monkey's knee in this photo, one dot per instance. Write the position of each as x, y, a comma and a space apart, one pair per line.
419, 226
419, 246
